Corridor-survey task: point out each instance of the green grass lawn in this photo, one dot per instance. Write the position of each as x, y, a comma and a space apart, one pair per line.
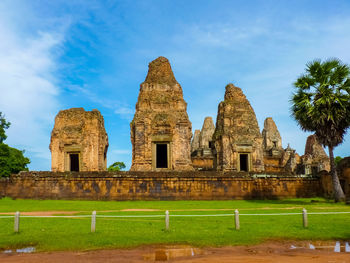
74, 233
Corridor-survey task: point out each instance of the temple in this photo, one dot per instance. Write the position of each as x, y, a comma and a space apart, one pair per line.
79, 141
161, 131
201, 147
161, 135
237, 138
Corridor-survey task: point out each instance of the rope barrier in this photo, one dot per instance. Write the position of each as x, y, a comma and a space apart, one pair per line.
327, 213
172, 215
129, 216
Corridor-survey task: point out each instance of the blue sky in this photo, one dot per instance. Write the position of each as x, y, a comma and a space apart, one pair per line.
94, 54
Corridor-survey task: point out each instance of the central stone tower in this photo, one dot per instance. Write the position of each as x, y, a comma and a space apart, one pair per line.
160, 131
237, 138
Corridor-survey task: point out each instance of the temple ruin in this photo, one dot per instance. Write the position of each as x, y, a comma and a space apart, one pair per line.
195, 141
272, 141
232, 159
79, 141
201, 147
275, 157
161, 135
315, 158
237, 138
160, 130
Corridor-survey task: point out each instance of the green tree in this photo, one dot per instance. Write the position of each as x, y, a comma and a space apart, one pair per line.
117, 166
337, 160
321, 104
11, 159
3, 126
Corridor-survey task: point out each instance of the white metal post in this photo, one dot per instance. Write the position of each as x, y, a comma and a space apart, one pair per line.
16, 227
93, 222
305, 222
237, 220
167, 220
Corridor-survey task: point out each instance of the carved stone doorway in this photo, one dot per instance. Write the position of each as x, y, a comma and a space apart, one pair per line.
243, 162
162, 155
74, 162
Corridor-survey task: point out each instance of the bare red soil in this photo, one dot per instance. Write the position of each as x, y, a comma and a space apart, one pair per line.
268, 252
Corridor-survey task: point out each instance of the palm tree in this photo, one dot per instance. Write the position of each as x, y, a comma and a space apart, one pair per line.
321, 104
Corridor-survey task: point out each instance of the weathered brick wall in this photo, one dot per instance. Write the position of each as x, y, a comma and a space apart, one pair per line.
3, 184
157, 186
272, 164
205, 163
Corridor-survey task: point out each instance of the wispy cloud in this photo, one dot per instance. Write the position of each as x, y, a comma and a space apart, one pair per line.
225, 35
261, 57
124, 110
121, 152
28, 85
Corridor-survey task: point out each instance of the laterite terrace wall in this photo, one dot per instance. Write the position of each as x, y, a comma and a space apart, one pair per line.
157, 186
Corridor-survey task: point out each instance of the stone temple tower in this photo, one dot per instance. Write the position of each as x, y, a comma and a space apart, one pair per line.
79, 141
237, 138
272, 141
160, 131
202, 154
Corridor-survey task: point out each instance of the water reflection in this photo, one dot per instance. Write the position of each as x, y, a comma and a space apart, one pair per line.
20, 250
336, 247
171, 252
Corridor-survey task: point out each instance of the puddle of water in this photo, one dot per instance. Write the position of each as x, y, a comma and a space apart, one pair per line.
20, 250
26, 250
168, 253
330, 246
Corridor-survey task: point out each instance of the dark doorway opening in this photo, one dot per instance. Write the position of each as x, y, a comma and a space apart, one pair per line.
314, 170
74, 162
243, 162
162, 155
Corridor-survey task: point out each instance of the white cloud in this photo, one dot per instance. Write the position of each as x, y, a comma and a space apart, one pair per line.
264, 59
122, 109
28, 86
125, 112
226, 35
120, 151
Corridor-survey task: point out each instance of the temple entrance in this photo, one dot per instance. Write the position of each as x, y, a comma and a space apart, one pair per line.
74, 162
161, 155
243, 162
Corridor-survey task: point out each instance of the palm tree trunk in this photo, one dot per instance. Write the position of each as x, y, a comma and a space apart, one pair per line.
338, 191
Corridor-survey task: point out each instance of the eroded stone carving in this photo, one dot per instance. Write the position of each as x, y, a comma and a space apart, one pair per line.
274, 154
315, 158
237, 138
195, 141
290, 159
272, 140
79, 141
202, 155
160, 131
206, 135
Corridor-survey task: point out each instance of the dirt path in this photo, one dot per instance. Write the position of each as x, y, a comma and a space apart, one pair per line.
270, 252
52, 213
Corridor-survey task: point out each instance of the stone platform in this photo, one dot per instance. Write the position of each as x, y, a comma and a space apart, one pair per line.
200, 185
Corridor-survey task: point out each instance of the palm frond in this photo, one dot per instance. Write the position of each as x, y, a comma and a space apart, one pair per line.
321, 102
